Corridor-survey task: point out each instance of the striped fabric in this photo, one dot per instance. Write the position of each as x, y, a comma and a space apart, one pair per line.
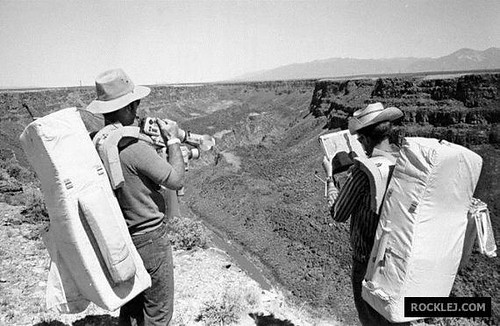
354, 201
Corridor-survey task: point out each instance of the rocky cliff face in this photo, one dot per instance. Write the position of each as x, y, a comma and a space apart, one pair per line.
464, 110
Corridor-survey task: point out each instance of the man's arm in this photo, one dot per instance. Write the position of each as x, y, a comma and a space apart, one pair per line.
170, 133
342, 203
175, 179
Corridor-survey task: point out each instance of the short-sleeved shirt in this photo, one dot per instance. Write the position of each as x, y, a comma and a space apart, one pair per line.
140, 197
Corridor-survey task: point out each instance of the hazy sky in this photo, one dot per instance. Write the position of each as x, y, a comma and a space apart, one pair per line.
63, 43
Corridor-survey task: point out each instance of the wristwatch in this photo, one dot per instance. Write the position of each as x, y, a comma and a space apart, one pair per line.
173, 141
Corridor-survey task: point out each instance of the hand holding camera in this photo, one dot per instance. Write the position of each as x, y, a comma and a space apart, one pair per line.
169, 129
341, 162
167, 132
154, 126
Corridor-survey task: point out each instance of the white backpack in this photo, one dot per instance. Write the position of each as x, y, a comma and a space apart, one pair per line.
92, 254
420, 237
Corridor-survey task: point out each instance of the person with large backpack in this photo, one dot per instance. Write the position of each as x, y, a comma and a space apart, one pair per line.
140, 196
373, 126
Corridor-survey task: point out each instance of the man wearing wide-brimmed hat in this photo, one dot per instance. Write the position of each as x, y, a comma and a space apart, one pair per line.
142, 204
373, 126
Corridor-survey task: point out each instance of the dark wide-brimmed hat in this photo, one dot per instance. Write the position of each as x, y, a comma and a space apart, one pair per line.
372, 114
115, 90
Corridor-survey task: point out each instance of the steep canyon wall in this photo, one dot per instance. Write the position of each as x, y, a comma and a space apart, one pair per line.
464, 110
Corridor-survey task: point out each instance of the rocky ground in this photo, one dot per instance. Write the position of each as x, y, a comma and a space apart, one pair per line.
203, 278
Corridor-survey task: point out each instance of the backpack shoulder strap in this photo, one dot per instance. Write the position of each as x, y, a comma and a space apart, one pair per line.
107, 141
378, 169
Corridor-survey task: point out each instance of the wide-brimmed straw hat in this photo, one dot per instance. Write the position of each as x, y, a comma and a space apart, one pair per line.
372, 114
115, 90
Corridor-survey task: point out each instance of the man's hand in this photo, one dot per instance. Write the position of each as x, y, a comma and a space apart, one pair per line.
168, 129
332, 193
327, 166
170, 133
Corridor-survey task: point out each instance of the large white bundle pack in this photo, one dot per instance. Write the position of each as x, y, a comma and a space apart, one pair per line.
420, 236
92, 254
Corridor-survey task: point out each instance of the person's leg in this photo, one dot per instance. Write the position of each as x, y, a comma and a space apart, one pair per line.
131, 312
367, 315
357, 276
158, 300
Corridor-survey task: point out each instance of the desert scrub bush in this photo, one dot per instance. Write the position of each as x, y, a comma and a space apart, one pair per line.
50, 323
35, 211
4, 175
17, 171
187, 234
12, 178
227, 308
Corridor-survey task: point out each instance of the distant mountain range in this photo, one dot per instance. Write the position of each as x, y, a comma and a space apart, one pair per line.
461, 60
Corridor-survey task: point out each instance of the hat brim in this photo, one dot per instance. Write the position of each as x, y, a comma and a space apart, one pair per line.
101, 107
388, 114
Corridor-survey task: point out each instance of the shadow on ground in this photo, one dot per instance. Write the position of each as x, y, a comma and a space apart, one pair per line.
95, 320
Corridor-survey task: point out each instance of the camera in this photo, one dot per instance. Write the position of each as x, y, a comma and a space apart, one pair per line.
197, 142
342, 161
149, 126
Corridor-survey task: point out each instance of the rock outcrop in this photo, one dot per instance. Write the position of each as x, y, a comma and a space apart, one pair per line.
464, 110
